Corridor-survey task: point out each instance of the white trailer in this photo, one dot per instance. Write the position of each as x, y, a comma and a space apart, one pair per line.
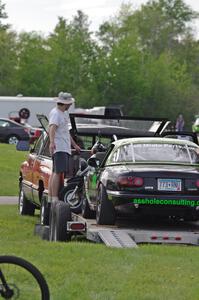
11, 106
124, 234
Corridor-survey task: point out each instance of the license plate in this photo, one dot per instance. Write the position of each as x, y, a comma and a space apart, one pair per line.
173, 185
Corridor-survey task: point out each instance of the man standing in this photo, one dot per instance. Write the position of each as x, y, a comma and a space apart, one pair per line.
60, 142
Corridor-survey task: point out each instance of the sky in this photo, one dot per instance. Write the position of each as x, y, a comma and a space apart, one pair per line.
42, 15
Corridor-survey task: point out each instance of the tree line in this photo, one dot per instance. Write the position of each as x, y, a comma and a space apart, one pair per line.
145, 59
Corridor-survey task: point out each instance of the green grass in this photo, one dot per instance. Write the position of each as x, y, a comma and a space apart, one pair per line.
88, 271
10, 160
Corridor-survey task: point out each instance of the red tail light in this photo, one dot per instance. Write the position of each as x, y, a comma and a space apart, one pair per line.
130, 181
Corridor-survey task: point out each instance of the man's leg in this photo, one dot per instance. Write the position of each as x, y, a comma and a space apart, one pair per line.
55, 184
50, 188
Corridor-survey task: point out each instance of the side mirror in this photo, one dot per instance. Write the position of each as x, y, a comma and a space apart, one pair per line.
23, 146
93, 162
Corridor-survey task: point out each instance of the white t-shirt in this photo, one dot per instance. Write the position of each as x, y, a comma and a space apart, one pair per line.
62, 135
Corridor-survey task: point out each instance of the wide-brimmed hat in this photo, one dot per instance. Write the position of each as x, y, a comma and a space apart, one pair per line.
64, 98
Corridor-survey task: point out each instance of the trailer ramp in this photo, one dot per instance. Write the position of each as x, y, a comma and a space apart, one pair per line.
117, 238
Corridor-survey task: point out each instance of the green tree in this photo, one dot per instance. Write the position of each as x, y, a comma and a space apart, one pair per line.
72, 53
3, 16
8, 63
8, 56
162, 24
34, 66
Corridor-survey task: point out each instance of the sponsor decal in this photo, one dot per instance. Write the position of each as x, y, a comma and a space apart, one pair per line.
155, 201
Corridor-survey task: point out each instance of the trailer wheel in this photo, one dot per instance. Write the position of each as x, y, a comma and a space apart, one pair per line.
24, 113
25, 207
105, 213
62, 216
52, 220
72, 197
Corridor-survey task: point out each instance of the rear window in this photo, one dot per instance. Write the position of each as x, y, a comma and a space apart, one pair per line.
156, 153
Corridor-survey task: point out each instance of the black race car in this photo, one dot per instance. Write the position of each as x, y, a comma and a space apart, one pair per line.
144, 176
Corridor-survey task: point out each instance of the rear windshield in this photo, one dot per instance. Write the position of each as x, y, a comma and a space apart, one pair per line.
156, 153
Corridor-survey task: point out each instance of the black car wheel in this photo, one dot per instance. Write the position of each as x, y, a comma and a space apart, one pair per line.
105, 213
61, 214
24, 205
72, 195
44, 211
12, 140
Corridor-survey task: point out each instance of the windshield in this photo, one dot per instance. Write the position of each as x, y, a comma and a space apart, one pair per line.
145, 152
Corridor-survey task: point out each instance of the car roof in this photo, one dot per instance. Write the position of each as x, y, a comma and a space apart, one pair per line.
156, 140
11, 121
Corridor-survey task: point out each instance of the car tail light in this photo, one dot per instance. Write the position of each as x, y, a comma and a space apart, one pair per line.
130, 181
197, 183
76, 226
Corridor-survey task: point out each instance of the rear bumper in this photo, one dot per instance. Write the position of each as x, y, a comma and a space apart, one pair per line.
154, 204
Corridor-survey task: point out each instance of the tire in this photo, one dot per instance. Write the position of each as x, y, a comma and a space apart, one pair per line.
62, 216
105, 213
73, 199
22, 280
44, 211
12, 139
25, 207
86, 211
52, 220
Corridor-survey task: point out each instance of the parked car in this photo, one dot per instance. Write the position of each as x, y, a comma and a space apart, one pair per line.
144, 176
11, 132
86, 129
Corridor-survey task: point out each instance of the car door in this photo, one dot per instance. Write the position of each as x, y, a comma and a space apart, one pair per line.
92, 178
28, 168
42, 169
3, 129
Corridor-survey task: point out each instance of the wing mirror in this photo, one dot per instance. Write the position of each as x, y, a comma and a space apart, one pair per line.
23, 146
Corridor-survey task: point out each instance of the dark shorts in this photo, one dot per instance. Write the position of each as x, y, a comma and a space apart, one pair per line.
61, 162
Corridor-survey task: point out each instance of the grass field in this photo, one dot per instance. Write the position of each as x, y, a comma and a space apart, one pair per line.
10, 160
87, 271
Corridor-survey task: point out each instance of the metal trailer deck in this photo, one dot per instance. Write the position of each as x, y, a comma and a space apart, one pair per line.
126, 234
